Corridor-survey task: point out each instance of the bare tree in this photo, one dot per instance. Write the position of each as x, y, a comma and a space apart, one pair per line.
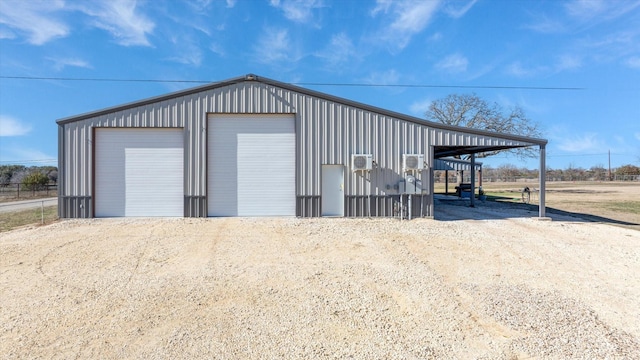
469, 110
598, 172
628, 170
508, 172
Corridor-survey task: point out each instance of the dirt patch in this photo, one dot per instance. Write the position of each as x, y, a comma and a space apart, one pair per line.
501, 285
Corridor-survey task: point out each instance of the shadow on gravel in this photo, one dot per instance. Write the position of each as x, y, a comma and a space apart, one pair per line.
593, 218
448, 208
453, 208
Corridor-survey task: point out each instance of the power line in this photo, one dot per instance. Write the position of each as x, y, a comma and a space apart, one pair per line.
101, 79
444, 86
306, 83
558, 155
571, 155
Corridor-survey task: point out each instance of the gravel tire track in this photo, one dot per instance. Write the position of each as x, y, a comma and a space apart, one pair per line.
256, 288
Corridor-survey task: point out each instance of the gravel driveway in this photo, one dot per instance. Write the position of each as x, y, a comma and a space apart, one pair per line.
501, 285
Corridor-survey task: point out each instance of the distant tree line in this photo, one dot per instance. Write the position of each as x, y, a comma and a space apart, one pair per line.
30, 178
510, 173
595, 173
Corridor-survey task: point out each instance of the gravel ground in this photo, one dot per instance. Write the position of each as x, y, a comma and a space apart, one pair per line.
500, 285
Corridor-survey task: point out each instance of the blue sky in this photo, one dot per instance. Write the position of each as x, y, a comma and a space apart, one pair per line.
452, 46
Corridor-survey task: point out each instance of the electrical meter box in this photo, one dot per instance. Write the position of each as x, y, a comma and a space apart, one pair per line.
410, 185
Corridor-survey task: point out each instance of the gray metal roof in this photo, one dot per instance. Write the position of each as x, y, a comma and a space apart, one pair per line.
454, 164
440, 152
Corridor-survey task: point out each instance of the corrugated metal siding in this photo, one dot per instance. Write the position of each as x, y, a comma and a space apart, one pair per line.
454, 164
327, 132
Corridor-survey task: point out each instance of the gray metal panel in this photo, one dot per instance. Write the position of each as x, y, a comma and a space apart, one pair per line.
75, 207
195, 206
331, 132
328, 131
61, 171
285, 87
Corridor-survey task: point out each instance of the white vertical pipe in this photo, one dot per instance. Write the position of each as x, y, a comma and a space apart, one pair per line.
543, 179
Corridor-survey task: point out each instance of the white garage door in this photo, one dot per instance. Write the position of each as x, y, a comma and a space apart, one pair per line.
251, 162
139, 172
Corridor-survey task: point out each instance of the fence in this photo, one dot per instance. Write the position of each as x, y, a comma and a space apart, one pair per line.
27, 212
487, 179
528, 179
626, 178
15, 192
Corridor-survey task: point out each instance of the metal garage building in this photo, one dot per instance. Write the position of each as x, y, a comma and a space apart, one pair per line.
252, 146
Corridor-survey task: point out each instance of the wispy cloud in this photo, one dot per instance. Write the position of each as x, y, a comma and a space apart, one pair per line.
189, 56
60, 63
7, 34
406, 18
38, 20
389, 77
579, 15
611, 47
274, 46
601, 10
10, 126
590, 31
546, 25
567, 62
455, 11
122, 19
637, 135
435, 37
198, 5
17, 153
454, 63
300, 11
562, 63
218, 49
585, 9
340, 50
589, 39
518, 69
419, 108
186, 50
580, 143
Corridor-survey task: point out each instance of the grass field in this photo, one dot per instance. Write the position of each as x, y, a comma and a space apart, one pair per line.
12, 220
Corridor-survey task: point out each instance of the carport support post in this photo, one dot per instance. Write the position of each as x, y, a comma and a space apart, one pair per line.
543, 179
473, 180
446, 182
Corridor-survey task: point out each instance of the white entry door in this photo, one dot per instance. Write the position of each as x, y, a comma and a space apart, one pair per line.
332, 190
